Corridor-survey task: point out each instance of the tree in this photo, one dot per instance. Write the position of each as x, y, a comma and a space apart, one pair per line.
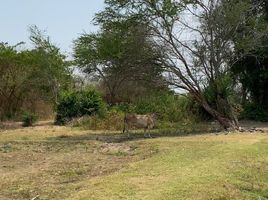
252, 69
27, 76
122, 56
52, 69
13, 79
198, 36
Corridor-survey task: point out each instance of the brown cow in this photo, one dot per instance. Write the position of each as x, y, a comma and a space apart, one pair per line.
146, 122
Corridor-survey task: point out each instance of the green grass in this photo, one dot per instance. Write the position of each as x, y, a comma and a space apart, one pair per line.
207, 167
65, 163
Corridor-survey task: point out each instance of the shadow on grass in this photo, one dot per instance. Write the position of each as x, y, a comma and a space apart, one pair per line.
120, 137
13, 125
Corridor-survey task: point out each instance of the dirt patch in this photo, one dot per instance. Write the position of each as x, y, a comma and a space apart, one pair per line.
116, 148
10, 125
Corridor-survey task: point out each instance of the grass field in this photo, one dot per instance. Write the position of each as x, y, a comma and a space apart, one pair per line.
51, 162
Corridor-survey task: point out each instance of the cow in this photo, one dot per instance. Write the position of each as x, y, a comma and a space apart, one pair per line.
146, 122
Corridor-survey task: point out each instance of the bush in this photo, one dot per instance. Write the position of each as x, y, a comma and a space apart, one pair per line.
77, 104
170, 107
113, 120
255, 112
198, 111
29, 119
174, 111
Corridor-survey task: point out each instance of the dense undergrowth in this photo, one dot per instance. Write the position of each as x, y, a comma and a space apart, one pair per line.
171, 110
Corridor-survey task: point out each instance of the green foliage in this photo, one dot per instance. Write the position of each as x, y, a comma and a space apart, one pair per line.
112, 120
122, 56
14, 74
52, 67
198, 111
29, 119
206, 59
168, 106
251, 70
222, 86
78, 103
173, 112
221, 96
28, 76
255, 112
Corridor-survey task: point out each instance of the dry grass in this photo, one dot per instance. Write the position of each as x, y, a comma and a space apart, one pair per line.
50, 161
67, 163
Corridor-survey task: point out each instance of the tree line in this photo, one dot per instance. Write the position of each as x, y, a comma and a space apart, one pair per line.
213, 52
29, 76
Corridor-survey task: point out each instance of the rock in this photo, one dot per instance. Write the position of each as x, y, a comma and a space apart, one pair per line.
241, 129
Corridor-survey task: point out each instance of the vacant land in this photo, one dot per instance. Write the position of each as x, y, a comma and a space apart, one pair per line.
51, 162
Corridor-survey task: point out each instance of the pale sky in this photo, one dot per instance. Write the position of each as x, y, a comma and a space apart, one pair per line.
63, 20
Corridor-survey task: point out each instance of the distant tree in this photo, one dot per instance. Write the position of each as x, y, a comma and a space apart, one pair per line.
123, 58
198, 38
13, 79
31, 75
52, 70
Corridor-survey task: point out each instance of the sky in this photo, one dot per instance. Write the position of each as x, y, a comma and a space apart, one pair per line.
63, 20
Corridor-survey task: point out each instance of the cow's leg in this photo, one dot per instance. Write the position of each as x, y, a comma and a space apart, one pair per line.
124, 128
127, 129
149, 133
145, 132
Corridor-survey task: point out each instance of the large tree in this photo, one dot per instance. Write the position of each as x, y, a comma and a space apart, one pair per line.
198, 39
122, 56
252, 69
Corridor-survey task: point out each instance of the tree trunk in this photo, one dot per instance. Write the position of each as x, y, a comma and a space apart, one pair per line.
112, 98
224, 121
244, 96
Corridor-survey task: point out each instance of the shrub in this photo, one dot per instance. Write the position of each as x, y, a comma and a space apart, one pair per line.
174, 111
255, 112
29, 119
170, 107
113, 120
198, 111
79, 103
